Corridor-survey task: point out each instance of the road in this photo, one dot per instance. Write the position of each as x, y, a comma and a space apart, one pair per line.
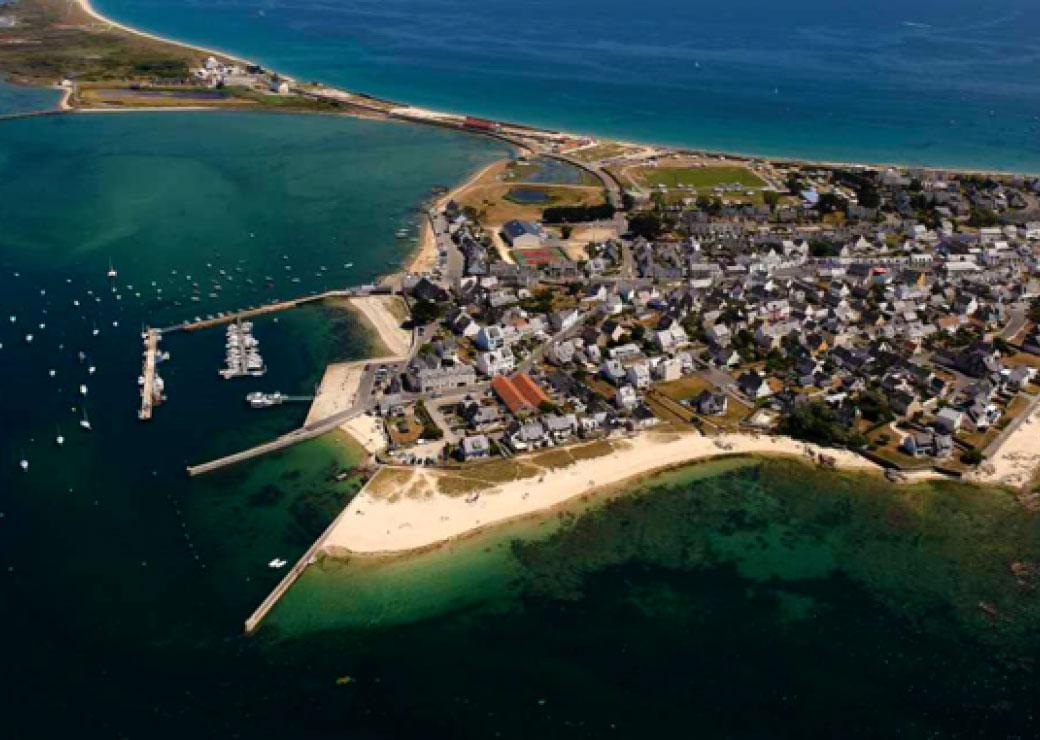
1016, 321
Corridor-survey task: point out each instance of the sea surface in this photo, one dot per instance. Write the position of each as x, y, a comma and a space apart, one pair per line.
18, 99
939, 82
739, 598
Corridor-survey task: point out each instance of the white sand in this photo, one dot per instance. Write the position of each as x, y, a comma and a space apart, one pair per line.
89, 10
338, 390
368, 431
375, 525
379, 313
1017, 460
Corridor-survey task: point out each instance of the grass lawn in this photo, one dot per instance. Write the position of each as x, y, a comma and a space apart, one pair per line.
698, 177
684, 388
598, 152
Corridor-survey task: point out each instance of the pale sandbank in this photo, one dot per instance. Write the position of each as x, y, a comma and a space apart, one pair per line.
385, 314
1017, 460
414, 512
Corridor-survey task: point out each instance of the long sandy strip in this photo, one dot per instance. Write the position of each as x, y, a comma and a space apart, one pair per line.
93, 13
374, 524
378, 312
1017, 460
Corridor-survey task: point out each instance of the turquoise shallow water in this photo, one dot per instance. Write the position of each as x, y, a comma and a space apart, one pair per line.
17, 99
124, 583
954, 83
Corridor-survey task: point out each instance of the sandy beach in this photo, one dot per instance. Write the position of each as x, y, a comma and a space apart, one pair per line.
425, 256
1017, 461
405, 509
368, 432
338, 390
385, 315
93, 13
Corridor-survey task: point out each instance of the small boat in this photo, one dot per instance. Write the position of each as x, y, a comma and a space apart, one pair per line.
85, 421
52, 372
24, 465
13, 318
91, 370
28, 338
277, 563
83, 390
112, 274
59, 440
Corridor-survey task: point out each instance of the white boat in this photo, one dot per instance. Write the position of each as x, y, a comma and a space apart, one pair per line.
59, 440
24, 465
112, 271
83, 389
52, 372
91, 370
85, 422
28, 338
277, 563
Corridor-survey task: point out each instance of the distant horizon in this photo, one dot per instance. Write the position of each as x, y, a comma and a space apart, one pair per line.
928, 88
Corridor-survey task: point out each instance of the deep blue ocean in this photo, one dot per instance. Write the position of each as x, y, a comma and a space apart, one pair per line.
952, 82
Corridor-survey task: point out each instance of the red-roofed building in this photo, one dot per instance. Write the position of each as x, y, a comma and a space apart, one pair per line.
520, 394
531, 391
508, 393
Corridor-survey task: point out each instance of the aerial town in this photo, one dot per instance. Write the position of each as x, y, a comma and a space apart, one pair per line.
892, 312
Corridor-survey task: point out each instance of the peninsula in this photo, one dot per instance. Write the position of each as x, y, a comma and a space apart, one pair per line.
590, 311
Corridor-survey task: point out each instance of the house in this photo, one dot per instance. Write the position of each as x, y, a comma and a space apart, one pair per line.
490, 338
475, 447
528, 436
496, 361
724, 357
711, 404
624, 352
561, 353
391, 404
754, 386
672, 338
561, 428
626, 398
479, 416
719, 335
669, 368
949, 420
639, 375
612, 371
522, 234
438, 379
564, 320
643, 418
928, 444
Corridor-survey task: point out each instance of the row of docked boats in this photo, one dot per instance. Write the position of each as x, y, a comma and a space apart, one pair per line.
242, 357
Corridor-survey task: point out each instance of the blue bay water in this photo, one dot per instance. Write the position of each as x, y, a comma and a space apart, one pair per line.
17, 99
952, 83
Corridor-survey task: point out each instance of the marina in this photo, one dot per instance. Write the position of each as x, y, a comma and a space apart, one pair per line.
243, 356
151, 383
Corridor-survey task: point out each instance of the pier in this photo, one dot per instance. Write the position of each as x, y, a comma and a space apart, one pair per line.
292, 576
148, 387
248, 313
304, 433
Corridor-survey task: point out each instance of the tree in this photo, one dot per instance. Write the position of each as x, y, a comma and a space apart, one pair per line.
973, 456
423, 312
771, 198
646, 225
